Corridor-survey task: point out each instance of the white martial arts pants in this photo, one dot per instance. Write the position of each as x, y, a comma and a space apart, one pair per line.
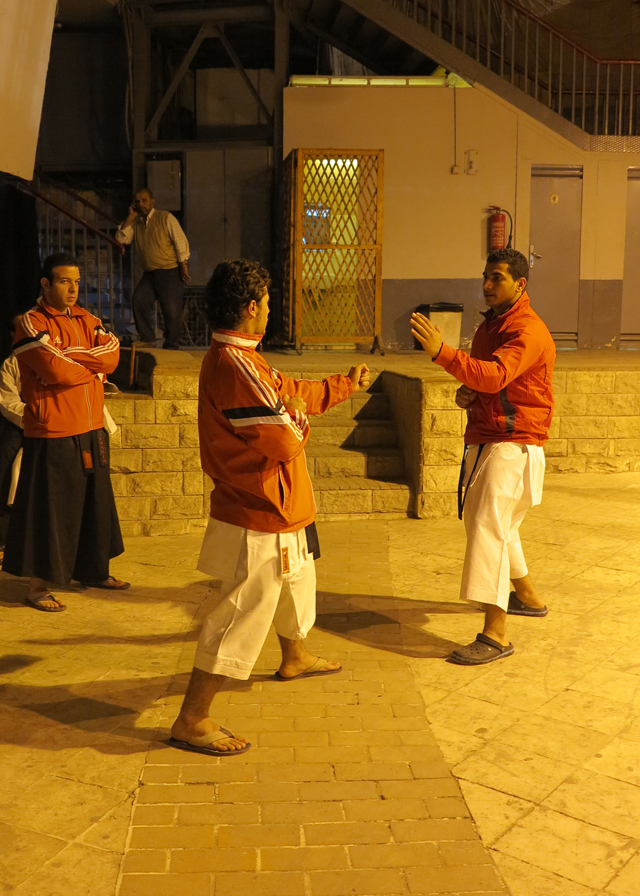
506, 482
266, 578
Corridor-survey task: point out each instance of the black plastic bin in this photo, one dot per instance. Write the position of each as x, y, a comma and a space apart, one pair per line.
448, 316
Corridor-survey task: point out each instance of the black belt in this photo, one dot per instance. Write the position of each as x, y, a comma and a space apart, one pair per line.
462, 496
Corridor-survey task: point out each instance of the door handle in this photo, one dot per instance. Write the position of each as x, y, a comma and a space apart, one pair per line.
532, 255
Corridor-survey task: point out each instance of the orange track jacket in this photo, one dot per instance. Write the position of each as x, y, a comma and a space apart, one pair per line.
60, 356
250, 446
511, 368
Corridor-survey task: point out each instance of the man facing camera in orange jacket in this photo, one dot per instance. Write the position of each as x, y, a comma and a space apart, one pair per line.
506, 390
64, 523
261, 540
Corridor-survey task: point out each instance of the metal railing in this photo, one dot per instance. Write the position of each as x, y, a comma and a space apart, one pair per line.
598, 96
67, 222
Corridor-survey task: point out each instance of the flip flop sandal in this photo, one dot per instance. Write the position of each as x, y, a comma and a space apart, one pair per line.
309, 672
482, 650
37, 604
517, 608
121, 587
204, 744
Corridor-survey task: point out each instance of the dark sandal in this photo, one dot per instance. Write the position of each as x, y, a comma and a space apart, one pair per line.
37, 604
517, 608
482, 650
115, 587
205, 744
311, 672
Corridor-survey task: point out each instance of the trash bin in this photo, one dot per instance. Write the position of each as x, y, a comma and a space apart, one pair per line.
447, 316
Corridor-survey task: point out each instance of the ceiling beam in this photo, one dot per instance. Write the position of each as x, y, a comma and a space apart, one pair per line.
220, 16
241, 71
217, 137
306, 28
151, 131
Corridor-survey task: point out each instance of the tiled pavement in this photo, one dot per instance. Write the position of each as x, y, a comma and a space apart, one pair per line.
345, 790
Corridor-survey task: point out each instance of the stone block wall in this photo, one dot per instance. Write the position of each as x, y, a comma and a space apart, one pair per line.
430, 429
161, 490
595, 429
157, 479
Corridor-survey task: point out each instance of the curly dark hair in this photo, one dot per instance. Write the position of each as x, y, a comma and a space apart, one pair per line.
58, 260
231, 289
516, 262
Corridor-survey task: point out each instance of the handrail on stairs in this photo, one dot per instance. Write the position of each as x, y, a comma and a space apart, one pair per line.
103, 272
32, 191
597, 95
74, 195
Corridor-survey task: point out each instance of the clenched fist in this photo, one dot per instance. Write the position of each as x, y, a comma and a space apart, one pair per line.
465, 397
359, 377
294, 403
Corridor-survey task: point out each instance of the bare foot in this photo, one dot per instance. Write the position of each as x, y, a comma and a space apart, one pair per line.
186, 729
292, 668
530, 598
40, 593
526, 592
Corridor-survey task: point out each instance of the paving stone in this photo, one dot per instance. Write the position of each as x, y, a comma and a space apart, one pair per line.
303, 858
346, 833
372, 771
394, 855
453, 880
257, 793
171, 837
259, 835
270, 883
145, 860
433, 829
301, 813
382, 882
339, 790
166, 884
383, 809
196, 860
216, 813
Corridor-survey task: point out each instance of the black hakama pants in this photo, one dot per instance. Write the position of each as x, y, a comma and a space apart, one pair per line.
64, 523
10, 444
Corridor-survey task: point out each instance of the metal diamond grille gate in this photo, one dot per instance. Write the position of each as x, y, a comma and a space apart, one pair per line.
333, 264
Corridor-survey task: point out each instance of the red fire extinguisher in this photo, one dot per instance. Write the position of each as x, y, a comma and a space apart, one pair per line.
498, 228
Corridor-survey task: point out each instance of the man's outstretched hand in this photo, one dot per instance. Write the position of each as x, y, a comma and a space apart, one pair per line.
359, 377
427, 334
294, 403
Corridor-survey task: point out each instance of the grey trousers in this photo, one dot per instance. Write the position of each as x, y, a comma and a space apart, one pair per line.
168, 289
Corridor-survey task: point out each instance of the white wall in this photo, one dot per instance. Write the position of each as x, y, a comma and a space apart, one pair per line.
25, 42
434, 225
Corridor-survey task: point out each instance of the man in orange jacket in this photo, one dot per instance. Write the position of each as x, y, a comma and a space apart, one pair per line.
261, 539
64, 522
508, 396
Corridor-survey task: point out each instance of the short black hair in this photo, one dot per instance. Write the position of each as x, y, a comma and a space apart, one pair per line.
516, 262
144, 190
231, 289
58, 260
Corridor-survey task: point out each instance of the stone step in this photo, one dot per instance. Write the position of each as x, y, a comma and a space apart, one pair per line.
327, 460
358, 497
347, 433
362, 406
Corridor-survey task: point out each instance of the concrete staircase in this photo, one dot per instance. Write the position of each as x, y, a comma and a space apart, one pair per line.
354, 461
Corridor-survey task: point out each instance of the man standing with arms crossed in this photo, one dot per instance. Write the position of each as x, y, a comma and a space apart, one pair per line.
507, 393
163, 251
261, 539
64, 524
